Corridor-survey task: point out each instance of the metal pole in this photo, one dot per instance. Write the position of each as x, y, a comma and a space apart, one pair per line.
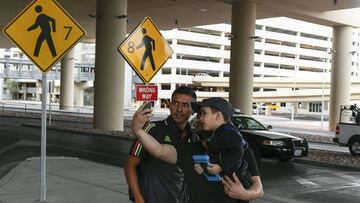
43, 139
50, 90
49, 108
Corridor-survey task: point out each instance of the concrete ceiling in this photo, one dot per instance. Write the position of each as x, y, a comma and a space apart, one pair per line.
169, 14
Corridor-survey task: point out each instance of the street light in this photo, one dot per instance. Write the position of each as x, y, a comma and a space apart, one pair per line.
322, 96
331, 51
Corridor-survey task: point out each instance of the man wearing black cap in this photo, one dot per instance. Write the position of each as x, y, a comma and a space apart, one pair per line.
225, 147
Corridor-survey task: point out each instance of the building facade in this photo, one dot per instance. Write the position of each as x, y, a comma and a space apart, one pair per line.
285, 50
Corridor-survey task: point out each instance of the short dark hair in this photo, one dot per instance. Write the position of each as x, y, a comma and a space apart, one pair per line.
184, 90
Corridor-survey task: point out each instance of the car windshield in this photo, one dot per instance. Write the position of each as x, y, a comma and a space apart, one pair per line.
247, 123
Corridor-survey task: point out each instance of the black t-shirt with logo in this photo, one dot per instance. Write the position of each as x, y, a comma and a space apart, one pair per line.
160, 181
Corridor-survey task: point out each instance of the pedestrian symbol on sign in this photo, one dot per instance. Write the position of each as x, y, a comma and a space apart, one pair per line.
149, 44
43, 21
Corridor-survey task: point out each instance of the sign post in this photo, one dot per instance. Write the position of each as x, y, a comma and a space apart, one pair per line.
51, 90
45, 32
43, 139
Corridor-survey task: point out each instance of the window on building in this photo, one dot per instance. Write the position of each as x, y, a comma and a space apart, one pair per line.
287, 67
279, 30
271, 65
313, 47
289, 44
315, 107
310, 58
310, 69
272, 41
166, 71
286, 55
198, 44
312, 36
283, 104
259, 27
272, 53
165, 87
269, 90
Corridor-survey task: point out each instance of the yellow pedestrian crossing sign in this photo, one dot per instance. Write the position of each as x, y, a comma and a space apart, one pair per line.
45, 32
146, 50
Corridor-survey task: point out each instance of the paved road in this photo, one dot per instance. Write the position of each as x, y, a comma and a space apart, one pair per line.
302, 183
283, 182
19, 142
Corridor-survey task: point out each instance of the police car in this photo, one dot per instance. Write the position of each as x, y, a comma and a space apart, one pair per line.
265, 142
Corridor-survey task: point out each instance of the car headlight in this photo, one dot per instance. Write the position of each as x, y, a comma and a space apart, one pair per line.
274, 142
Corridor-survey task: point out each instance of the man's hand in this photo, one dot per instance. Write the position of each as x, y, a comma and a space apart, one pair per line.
140, 118
214, 169
234, 189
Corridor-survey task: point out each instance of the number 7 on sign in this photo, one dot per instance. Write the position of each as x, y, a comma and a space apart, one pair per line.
68, 33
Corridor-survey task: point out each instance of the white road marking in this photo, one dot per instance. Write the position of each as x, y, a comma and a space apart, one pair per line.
307, 183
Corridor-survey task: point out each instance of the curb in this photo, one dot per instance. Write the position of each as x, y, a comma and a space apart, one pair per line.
327, 164
12, 173
31, 125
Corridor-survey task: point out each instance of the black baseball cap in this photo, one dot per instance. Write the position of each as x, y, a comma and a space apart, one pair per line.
218, 103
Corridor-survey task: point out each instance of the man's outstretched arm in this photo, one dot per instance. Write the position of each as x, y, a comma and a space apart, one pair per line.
164, 152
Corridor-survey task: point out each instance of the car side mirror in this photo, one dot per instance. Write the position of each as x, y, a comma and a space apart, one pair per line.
269, 127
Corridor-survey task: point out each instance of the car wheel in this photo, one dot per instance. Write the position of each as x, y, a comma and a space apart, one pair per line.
354, 146
255, 149
285, 158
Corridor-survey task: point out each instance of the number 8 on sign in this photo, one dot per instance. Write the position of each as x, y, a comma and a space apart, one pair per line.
131, 47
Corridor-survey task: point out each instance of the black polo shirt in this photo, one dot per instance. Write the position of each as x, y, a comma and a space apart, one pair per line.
161, 182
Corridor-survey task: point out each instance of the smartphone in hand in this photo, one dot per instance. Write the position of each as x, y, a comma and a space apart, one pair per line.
149, 105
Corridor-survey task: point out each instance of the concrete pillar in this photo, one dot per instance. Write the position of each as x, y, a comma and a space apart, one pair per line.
222, 49
128, 86
242, 55
340, 84
67, 81
109, 65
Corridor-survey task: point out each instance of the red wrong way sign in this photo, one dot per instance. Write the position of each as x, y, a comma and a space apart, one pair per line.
146, 92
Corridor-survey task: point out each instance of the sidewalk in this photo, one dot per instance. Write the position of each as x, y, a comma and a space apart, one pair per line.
298, 125
69, 180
